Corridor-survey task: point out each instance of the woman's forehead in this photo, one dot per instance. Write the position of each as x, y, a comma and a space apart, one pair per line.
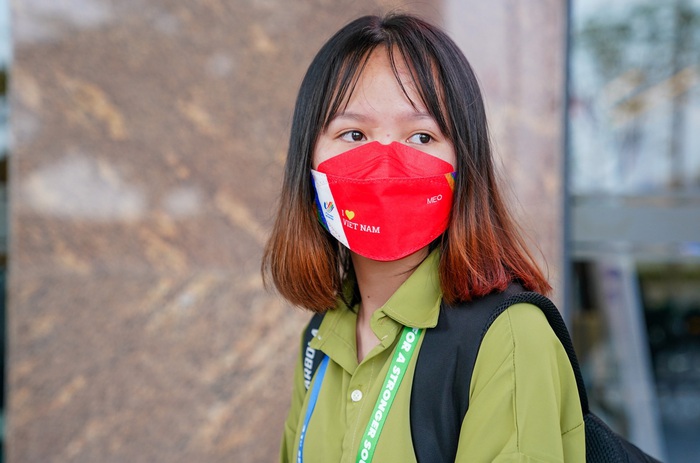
381, 78
380, 61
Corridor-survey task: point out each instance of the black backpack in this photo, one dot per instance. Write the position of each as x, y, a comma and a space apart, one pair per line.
438, 407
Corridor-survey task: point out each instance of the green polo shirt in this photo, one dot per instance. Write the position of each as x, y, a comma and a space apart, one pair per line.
523, 401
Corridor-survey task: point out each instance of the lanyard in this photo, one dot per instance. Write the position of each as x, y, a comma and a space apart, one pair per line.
397, 369
402, 356
310, 408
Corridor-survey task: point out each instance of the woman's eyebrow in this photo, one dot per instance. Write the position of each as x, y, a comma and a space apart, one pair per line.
416, 115
359, 117
351, 116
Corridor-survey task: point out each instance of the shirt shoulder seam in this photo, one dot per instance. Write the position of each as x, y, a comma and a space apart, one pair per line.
573, 429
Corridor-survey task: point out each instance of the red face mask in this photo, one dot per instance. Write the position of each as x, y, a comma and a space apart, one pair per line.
384, 202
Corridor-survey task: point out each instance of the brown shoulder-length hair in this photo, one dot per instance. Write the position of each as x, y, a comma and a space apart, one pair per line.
481, 250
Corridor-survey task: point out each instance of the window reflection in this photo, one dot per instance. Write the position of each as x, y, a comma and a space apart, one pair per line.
635, 97
634, 185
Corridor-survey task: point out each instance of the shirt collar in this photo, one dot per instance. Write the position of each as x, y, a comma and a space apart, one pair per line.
416, 304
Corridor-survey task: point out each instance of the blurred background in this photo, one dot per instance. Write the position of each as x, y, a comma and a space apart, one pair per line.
633, 181
141, 153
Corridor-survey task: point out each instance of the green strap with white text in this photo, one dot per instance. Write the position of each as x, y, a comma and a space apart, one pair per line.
397, 370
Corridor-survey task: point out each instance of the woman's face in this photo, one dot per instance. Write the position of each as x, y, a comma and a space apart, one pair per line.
378, 110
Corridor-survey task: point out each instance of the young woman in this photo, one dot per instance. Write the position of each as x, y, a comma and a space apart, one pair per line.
390, 210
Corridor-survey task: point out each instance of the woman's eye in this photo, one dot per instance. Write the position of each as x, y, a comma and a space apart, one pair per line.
353, 135
421, 138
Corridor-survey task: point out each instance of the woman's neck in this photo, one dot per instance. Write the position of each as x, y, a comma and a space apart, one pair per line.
377, 282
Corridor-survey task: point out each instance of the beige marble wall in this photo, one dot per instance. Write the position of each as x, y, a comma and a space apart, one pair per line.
148, 144
518, 51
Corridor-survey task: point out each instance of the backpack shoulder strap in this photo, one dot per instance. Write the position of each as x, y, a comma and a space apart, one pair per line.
602, 443
440, 393
311, 359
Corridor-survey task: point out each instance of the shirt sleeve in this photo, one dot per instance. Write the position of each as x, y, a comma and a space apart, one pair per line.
523, 400
288, 447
